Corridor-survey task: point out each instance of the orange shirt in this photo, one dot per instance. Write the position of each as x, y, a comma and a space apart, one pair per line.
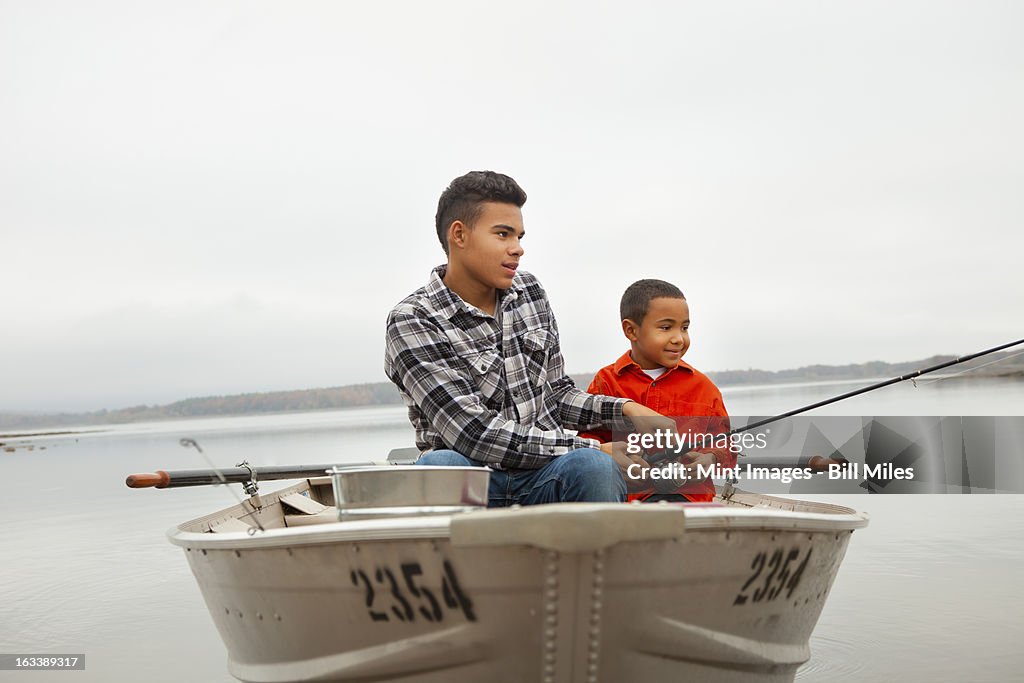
682, 393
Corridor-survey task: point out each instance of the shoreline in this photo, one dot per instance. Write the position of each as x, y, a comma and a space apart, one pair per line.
23, 435
82, 423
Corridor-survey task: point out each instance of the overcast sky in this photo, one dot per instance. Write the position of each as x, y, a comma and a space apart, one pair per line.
205, 198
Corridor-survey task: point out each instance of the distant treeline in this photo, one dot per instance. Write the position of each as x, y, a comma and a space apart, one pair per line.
378, 393
824, 373
385, 393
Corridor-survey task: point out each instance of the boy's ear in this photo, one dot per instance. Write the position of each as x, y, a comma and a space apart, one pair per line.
631, 330
457, 234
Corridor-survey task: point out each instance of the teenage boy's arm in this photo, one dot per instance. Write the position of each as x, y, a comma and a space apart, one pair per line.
422, 362
597, 386
576, 408
584, 411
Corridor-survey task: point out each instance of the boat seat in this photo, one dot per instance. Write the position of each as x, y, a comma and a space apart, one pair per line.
328, 516
300, 510
403, 456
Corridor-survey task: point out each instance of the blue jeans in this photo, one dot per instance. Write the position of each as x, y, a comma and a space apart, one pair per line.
583, 475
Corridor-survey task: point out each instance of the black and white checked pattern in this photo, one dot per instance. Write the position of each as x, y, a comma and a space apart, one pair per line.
500, 398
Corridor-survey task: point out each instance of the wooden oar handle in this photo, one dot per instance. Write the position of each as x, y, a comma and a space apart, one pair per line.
235, 475
158, 479
819, 463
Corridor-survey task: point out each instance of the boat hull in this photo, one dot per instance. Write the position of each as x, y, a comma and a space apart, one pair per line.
560, 593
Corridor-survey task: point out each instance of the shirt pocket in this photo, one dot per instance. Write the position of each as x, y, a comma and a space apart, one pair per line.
484, 369
537, 339
692, 409
536, 347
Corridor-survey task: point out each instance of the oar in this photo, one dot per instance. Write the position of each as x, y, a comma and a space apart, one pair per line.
665, 455
232, 475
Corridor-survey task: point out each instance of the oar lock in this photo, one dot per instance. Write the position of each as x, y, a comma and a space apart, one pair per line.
250, 487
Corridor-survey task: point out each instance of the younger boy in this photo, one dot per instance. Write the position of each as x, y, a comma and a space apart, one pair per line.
656, 320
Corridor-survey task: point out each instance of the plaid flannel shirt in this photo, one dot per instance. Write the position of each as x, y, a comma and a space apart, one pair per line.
500, 397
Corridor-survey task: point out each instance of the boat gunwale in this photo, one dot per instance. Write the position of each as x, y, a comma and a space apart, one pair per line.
748, 511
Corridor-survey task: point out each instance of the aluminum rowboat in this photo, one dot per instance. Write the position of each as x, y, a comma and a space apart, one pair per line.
565, 593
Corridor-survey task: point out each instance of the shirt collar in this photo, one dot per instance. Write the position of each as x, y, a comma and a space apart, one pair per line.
625, 362
448, 302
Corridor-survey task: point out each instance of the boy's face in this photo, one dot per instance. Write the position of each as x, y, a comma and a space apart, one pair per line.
490, 250
663, 336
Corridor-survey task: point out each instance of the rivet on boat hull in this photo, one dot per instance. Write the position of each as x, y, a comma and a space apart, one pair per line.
596, 595
551, 615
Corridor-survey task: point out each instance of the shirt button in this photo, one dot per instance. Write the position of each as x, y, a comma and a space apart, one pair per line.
517, 393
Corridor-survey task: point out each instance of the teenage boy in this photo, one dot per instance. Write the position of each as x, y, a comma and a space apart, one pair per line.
656, 320
476, 357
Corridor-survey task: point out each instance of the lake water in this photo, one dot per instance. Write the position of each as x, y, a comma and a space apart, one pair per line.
927, 592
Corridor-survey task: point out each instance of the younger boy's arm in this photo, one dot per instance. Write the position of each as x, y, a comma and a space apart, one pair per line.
717, 423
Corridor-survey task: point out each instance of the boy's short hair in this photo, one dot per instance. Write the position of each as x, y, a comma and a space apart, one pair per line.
638, 295
463, 196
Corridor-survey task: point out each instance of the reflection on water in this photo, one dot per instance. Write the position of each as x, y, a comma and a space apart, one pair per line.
927, 592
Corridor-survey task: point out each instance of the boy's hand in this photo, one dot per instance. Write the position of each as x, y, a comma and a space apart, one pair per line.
646, 420
625, 459
692, 460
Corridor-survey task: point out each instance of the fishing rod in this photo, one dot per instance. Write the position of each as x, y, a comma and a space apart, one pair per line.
879, 385
666, 454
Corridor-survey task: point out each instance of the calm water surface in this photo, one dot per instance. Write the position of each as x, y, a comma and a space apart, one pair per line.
928, 592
